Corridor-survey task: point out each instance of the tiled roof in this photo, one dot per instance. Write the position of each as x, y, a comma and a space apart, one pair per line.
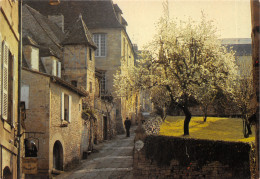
42, 30
27, 40
46, 51
96, 13
61, 82
241, 49
79, 34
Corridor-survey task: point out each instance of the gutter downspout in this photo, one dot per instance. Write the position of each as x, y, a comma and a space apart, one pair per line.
19, 90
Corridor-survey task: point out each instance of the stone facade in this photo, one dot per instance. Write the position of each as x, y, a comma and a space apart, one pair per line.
77, 66
54, 137
9, 35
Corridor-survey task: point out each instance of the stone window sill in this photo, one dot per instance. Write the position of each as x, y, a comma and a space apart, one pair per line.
64, 124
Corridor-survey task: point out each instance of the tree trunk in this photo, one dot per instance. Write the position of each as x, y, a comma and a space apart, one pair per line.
205, 114
187, 119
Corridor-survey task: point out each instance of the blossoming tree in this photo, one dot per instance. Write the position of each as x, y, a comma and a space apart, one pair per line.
186, 61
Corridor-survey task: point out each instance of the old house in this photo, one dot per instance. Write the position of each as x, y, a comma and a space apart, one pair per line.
114, 48
9, 43
55, 126
243, 53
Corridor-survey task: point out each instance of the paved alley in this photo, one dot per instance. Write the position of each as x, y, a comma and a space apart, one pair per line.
114, 159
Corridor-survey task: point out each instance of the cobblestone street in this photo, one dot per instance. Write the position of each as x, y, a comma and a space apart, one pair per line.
114, 159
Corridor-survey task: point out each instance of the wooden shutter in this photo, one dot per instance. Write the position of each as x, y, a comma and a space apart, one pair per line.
5, 81
70, 103
62, 106
59, 69
25, 92
14, 91
1, 59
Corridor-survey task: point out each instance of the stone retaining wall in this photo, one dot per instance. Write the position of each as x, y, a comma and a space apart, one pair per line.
149, 167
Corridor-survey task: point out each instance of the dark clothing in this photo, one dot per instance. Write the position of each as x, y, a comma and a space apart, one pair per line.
127, 127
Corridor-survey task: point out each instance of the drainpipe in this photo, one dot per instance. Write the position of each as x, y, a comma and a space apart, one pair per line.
19, 90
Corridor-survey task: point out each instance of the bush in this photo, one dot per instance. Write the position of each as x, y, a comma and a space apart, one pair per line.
163, 149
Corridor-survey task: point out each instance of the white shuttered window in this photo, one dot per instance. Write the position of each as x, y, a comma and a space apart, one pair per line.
70, 102
14, 90
62, 106
1, 60
66, 102
25, 92
5, 81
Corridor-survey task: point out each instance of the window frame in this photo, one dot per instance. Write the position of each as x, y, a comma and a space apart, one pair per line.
63, 118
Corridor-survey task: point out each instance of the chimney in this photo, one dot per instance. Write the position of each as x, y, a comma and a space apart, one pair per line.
58, 20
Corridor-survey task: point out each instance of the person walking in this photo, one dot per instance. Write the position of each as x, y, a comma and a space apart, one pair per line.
127, 127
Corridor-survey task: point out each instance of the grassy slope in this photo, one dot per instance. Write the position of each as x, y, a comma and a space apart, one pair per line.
227, 129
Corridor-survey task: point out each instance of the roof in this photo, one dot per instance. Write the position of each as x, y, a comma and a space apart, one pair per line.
229, 41
61, 82
240, 49
43, 31
46, 51
27, 40
117, 9
124, 21
96, 13
79, 34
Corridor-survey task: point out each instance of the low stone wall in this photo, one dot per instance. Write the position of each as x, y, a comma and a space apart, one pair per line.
173, 157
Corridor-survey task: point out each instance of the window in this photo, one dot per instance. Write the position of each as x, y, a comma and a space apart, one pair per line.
100, 41
25, 95
54, 68
90, 54
66, 101
35, 58
103, 83
7, 84
59, 69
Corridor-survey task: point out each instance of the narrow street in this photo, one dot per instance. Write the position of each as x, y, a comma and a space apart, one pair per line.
114, 159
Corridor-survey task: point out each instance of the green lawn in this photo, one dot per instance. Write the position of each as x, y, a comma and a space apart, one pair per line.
227, 129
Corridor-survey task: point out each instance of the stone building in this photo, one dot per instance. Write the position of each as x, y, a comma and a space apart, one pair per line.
9, 43
114, 48
243, 54
55, 124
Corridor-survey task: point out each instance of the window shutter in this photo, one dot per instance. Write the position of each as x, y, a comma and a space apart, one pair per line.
70, 102
5, 82
1, 59
25, 92
59, 69
14, 91
62, 106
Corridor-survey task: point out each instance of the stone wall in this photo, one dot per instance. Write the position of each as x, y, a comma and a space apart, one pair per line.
70, 136
170, 161
45, 126
37, 115
77, 66
9, 33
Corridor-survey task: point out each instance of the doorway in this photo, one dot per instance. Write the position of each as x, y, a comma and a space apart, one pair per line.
105, 127
7, 173
57, 156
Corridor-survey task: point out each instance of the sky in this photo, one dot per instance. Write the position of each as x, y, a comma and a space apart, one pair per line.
231, 17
